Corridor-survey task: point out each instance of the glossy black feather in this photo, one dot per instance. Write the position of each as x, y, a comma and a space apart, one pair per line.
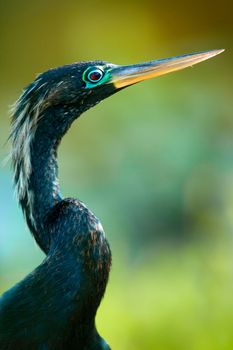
54, 307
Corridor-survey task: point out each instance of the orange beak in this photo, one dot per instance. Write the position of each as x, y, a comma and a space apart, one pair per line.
122, 76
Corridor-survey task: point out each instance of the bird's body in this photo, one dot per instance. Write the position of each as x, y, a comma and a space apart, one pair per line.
54, 307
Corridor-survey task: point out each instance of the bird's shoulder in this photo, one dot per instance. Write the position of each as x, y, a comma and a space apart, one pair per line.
78, 239
72, 216
74, 228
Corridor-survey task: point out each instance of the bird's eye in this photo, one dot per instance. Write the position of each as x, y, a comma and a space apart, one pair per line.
93, 75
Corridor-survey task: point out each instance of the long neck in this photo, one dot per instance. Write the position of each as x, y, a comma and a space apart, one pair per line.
36, 171
43, 189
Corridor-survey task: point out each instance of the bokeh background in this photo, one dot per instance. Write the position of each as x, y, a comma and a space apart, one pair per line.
154, 162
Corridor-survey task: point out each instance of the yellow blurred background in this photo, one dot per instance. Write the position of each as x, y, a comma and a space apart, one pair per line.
154, 162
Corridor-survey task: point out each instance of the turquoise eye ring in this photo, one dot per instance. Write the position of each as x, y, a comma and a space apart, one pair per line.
94, 75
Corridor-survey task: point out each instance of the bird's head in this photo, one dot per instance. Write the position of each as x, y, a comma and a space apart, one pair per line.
74, 88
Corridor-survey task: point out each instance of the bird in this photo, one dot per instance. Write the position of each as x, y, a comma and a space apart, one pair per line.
54, 306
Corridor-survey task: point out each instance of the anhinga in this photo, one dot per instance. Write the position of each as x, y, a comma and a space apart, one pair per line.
54, 307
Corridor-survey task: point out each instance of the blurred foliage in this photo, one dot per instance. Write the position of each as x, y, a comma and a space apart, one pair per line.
154, 162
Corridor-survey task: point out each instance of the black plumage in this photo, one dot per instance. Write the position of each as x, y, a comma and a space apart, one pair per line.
54, 307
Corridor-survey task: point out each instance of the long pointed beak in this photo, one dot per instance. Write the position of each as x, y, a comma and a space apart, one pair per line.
122, 76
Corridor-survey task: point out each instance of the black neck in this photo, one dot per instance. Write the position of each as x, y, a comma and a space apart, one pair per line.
43, 189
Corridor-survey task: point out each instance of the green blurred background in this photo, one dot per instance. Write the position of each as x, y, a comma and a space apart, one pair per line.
154, 162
